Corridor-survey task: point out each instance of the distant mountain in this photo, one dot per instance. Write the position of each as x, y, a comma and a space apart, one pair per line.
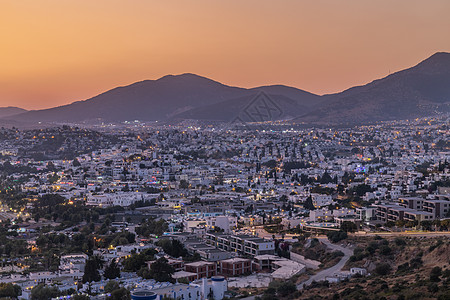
276, 102
160, 99
252, 108
423, 90
10, 111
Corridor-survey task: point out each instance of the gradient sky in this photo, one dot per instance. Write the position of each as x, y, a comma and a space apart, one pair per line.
56, 52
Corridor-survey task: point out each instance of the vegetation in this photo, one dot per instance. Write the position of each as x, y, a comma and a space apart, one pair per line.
9, 290
159, 270
112, 270
91, 272
44, 292
152, 227
413, 268
136, 261
336, 236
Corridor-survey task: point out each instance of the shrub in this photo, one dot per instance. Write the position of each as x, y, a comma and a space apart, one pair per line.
435, 273
385, 250
383, 269
399, 241
433, 287
336, 236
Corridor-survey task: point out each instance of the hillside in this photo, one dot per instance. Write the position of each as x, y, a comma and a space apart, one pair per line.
420, 91
147, 100
423, 90
10, 111
401, 268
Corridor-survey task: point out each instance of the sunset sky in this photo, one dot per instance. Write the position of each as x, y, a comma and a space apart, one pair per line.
56, 52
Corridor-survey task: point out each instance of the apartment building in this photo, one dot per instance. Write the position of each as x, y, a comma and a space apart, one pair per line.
203, 269
241, 244
411, 202
439, 208
235, 266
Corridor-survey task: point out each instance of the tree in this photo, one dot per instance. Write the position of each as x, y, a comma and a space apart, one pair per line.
336, 236
43, 292
80, 297
9, 290
91, 271
152, 226
76, 163
112, 285
286, 288
435, 273
120, 294
348, 226
385, 250
161, 271
383, 269
184, 184
112, 270
173, 247
309, 204
136, 261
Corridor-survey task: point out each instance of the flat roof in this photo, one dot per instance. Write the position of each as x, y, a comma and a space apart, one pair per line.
235, 259
182, 274
199, 263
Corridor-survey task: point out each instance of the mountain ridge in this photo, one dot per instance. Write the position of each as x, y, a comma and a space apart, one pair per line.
423, 89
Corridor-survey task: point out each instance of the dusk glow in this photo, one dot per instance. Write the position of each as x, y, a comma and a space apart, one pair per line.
56, 52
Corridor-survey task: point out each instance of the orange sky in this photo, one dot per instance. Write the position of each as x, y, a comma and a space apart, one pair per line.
56, 52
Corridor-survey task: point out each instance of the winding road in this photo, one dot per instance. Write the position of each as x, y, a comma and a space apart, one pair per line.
332, 270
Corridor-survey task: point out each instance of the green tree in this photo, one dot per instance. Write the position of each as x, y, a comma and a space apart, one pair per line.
348, 226
44, 292
309, 204
336, 236
120, 294
9, 290
76, 163
383, 269
112, 285
435, 273
173, 247
80, 297
91, 271
161, 271
184, 184
112, 270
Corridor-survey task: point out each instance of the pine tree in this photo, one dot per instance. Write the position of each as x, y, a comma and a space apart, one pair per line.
91, 272
112, 270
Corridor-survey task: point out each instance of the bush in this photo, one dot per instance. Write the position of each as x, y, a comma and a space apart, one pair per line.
383, 269
385, 250
438, 243
336, 236
403, 268
435, 273
337, 254
433, 287
286, 288
400, 242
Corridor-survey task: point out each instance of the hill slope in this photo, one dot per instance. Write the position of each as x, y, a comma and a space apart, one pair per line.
422, 90
151, 100
10, 111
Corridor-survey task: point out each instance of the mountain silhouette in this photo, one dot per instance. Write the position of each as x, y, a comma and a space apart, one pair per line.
422, 90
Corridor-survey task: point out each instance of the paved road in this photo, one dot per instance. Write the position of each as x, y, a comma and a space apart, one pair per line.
334, 269
404, 233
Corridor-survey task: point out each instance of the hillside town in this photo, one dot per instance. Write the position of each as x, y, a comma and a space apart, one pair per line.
192, 211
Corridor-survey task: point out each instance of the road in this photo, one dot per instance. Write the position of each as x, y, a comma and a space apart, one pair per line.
405, 233
332, 270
